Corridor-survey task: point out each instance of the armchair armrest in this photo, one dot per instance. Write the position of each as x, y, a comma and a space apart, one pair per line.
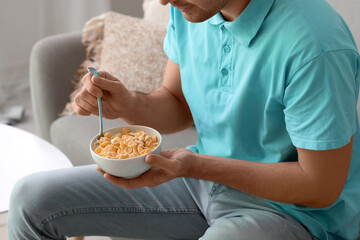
53, 64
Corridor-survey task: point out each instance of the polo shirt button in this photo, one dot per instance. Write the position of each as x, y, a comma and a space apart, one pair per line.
227, 49
224, 72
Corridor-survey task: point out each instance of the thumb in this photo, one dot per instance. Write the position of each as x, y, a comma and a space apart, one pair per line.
160, 162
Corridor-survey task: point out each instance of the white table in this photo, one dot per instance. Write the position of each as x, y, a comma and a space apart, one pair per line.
23, 153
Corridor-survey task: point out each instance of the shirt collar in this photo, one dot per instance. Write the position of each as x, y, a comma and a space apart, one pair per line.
247, 25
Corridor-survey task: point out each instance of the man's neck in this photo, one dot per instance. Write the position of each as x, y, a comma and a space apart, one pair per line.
233, 9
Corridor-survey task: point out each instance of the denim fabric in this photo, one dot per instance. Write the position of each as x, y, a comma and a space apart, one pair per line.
232, 214
81, 202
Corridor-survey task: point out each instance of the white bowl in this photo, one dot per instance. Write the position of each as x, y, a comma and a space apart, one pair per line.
129, 167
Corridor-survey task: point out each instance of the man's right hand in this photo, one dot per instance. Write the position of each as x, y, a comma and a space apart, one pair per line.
164, 109
115, 97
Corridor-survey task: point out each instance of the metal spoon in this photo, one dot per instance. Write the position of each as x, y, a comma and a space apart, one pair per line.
93, 71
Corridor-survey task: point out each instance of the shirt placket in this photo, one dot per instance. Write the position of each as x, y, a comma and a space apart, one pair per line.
226, 60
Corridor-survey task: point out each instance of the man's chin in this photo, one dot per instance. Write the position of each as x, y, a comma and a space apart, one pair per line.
195, 19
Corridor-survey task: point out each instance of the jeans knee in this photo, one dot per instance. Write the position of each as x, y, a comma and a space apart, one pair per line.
21, 191
21, 208
33, 199
19, 194
26, 196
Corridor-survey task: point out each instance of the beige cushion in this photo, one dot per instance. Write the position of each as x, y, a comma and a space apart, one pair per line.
127, 47
155, 12
132, 51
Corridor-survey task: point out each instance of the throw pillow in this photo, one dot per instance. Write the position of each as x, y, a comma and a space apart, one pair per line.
129, 48
155, 12
132, 51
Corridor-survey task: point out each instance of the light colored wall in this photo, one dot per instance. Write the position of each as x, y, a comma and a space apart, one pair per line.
128, 7
349, 10
22, 23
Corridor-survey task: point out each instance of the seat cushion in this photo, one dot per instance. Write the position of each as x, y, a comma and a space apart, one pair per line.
72, 135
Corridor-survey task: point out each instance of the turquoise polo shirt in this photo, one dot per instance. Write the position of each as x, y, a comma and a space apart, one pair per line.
284, 74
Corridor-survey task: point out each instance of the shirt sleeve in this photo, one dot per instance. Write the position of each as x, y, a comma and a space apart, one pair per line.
170, 41
320, 101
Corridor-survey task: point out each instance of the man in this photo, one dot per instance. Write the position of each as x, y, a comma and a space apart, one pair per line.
271, 87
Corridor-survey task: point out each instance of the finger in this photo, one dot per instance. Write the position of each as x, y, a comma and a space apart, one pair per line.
90, 87
125, 183
109, 85
116, 180
100, 170
138, 182
151, 178
86, 102
84, 95
79, 110
160, 162
107, 75
168, 153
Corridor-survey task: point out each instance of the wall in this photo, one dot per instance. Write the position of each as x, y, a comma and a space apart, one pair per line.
128, 7
22, 23
349, 10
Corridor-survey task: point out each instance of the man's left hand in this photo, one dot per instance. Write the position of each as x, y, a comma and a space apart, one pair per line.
168, 165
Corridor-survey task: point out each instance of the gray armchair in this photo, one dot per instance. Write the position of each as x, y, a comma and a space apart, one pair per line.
53, 63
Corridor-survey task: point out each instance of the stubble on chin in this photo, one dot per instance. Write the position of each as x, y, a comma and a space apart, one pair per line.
195, 17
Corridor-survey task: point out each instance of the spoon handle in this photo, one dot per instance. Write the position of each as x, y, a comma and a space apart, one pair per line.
101, 134
93, 71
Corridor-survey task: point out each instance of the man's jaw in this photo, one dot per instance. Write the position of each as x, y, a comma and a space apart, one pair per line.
185, 8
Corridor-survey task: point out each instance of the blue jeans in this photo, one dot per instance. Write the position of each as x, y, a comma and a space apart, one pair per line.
81, 202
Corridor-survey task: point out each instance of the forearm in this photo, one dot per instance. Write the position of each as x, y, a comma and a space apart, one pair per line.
165, 109
282, 182
160, 110
315, 180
